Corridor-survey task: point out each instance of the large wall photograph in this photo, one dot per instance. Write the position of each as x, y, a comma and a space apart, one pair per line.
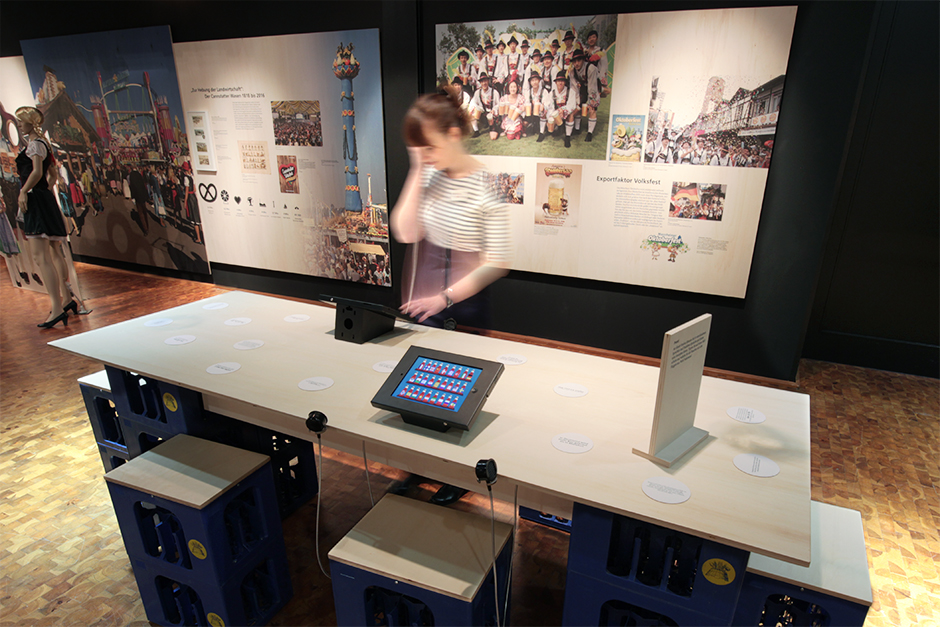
648, 157
289, 138
112, 109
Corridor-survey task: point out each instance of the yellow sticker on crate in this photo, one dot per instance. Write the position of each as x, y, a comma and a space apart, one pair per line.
215, 620
718, 571
170, 401
198, 550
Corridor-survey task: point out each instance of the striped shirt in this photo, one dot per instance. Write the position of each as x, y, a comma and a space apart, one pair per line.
463, 214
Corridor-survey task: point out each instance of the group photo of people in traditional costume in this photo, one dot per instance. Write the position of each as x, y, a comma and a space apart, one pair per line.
533, 87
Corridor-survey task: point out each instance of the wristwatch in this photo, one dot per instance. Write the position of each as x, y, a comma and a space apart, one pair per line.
446, 294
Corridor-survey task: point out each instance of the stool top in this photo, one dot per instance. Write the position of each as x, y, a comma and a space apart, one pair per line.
839, 563
187, 470
436, 548
97, 380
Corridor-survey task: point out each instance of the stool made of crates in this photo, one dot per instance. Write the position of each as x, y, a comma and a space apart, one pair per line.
199, 521
835, 589
410, 562
105, 424
674, 576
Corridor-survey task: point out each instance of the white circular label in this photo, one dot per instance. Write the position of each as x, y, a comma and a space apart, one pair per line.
511, 359
666, 490
315, 384
384, 366
296, 318
756, 465
179, 340
571, 390
224, 367
211, 306
248, 345
158, 322
235, 322
746, 414
572, 443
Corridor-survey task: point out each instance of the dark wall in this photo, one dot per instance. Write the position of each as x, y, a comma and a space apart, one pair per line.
878, 299
761, 334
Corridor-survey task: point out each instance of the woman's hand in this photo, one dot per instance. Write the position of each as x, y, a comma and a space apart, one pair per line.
22, 202
414, 156
423, 308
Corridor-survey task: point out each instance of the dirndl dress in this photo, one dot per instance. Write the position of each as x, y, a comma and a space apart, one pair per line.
42, 216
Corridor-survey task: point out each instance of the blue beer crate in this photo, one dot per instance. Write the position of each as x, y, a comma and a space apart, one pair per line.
544, 518
141, 437
252, 595
766, 601
292, 460
592, 602
157, 404
111, 458
103, 416
665, 571
197, 541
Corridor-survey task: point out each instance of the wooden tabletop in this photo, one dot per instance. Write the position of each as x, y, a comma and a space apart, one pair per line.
436, 548
187, 470
770, 516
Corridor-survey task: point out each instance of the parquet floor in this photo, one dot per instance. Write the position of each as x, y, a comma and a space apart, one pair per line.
875, 442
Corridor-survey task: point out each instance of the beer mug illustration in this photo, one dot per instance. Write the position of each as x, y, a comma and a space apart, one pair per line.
557, 200
528, 109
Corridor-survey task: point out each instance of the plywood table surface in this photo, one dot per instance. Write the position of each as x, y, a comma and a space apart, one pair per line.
770, 516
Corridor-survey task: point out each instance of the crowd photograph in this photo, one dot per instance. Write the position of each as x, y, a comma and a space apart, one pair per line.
297, 123
719, 121
697, 201
334, 259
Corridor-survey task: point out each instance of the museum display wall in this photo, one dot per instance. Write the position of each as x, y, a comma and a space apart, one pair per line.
835, 49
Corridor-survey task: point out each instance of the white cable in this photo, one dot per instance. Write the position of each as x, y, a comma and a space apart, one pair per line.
493, 536
319, 498
365, 463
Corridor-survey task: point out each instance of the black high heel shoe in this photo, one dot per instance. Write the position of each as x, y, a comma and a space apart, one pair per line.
73, 306
64, 317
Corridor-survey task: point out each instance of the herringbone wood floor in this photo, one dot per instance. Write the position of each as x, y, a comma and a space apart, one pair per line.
875, 440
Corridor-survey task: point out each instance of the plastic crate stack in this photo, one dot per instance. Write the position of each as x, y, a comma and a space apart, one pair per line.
105, 424
544, 518
198, 523
131, 413
623, 571
292, 460
151, 411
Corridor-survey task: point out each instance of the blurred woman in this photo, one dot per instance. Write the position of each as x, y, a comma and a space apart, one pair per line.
461, 233
458, 231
